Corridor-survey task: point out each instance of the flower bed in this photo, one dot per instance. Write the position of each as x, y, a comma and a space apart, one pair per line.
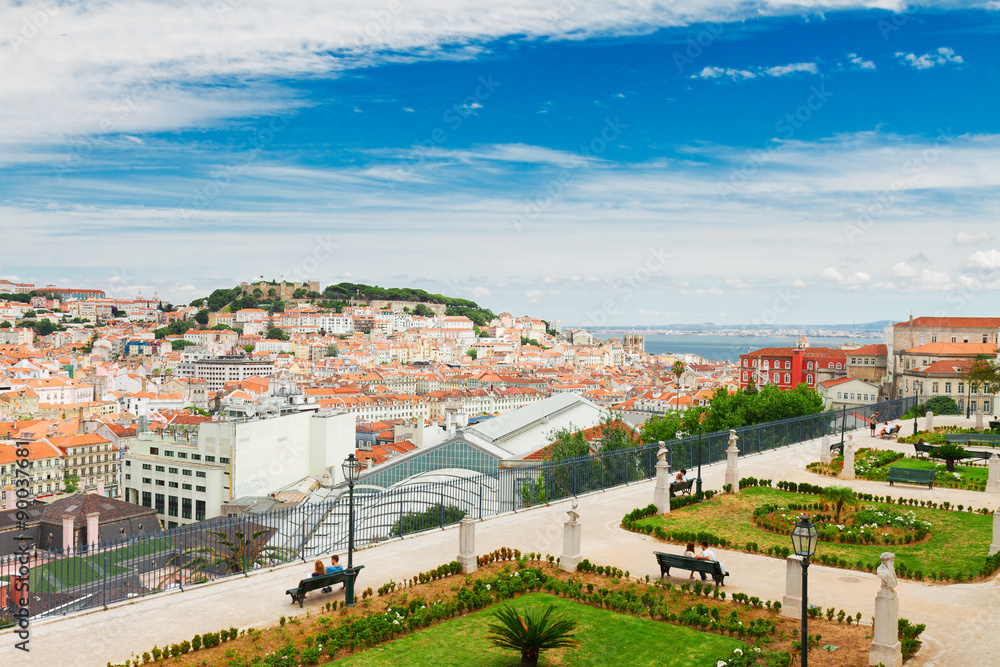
869, 525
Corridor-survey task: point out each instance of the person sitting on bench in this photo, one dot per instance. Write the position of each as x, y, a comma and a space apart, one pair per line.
706, 554
681, 477
334, 567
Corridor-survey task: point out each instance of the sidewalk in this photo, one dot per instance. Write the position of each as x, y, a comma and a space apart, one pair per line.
959, 618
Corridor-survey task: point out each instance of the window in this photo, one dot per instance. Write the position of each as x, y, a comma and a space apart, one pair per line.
830, 365
199, 473
182, 455
933, 338
223, 459
986, 340
186, 472
196, 457
147, 499
839, 394
961, 387
954, 339
839, 366
947, 387
210, 459
777, 378
172, 471
160, 482
160, 468
788, 378
154, 450
185, 508
167, 452
172, 506
147, 480
172, 485
159, 503
146, 466
200, 489
199, 510
809, 379
186, 487
934, 387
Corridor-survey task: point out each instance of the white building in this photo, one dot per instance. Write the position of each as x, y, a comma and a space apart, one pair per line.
219, 371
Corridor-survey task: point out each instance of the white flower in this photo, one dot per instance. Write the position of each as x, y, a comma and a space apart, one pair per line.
395, 622
487, 587
736, 650
721, 663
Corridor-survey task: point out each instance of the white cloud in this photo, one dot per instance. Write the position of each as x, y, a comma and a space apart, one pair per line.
963, 237
533, 295
754, 72
984, 259
942, 56
831, 275
798, 283
859, 62
408, 110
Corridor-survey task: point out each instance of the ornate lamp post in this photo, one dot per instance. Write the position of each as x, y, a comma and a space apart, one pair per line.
352, 469
804, 539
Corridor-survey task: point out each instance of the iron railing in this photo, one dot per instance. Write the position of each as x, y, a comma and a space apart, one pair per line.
62, 582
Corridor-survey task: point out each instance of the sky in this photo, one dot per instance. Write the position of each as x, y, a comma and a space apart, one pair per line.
600, 163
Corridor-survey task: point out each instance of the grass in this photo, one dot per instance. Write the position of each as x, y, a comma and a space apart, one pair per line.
968, 472
958, 543
71, 571
606, 638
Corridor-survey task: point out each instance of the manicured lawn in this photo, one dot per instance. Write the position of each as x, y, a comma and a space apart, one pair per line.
968, 472
606, 638
77, 570
958, 543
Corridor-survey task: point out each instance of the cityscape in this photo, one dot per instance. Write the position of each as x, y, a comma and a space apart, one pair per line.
412, 333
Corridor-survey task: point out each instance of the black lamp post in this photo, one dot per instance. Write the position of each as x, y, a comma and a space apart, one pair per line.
351, 468
916, 402
698, 483
804, 539
843, 427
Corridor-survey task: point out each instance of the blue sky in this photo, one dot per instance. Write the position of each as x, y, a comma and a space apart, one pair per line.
600, 163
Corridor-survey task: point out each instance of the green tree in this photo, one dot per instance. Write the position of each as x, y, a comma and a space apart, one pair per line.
840, 496
274, 333
5, 325
472, 353
941, 405
530, 631
179, 345
984, 375
331, 351
423, 310
949, 454
71, 483
201, 317
241, 553
44, 327
248, 348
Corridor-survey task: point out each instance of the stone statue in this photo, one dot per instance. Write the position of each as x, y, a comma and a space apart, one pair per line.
661, 454
733, 438
573, 514
886, 571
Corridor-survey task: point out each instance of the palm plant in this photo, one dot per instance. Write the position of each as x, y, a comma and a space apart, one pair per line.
678, 369
531, 631
840, 496
242, 553
950, 454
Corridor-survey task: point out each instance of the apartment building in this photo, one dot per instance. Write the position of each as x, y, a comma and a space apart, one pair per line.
219, 371
44, 472
93, 459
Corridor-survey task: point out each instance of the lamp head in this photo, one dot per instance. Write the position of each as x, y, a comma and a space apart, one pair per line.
804, 538
352, 469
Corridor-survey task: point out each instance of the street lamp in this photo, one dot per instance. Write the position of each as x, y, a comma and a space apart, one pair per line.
698, 483
804, 539
352, 469
843, 427
916, 402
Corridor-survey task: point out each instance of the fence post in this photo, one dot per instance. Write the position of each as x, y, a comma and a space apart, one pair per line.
574, 480
441, 509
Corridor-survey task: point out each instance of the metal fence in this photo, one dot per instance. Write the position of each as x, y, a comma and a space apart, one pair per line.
62, 582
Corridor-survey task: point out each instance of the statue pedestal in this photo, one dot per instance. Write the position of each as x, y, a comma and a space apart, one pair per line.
732, 465
571, 557
995, 547
848, 471
661, 493
993, 475
824, 450
886, 648
929, 421
979, 421
467, 544
791, 603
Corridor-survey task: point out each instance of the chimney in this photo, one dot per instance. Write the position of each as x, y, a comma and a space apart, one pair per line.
100, 486
67, 534
93, 532
11, 502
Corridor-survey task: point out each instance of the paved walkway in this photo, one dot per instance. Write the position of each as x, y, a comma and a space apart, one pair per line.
959, 617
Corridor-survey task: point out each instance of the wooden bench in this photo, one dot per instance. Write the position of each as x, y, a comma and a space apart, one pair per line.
891, 433
983, 439
677, 488
923, 448
911, 476
712, 567
315, 583
837, 447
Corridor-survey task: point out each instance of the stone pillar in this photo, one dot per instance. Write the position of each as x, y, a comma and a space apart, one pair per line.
995, 547
979, 420
100, 486
848, 471
571, 557
661, 494
993, 474
67, 534
886, 648
929, 423
824, 450
11, 498
791, 603
93, 529
467, 544
732, 467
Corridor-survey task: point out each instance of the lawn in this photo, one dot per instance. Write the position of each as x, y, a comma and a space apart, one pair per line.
73, 571
958, 542
606, 638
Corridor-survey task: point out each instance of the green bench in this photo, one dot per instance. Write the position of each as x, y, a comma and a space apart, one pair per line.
911, 476
984, 439
712, 567
315, 583
678, 488
923, 448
